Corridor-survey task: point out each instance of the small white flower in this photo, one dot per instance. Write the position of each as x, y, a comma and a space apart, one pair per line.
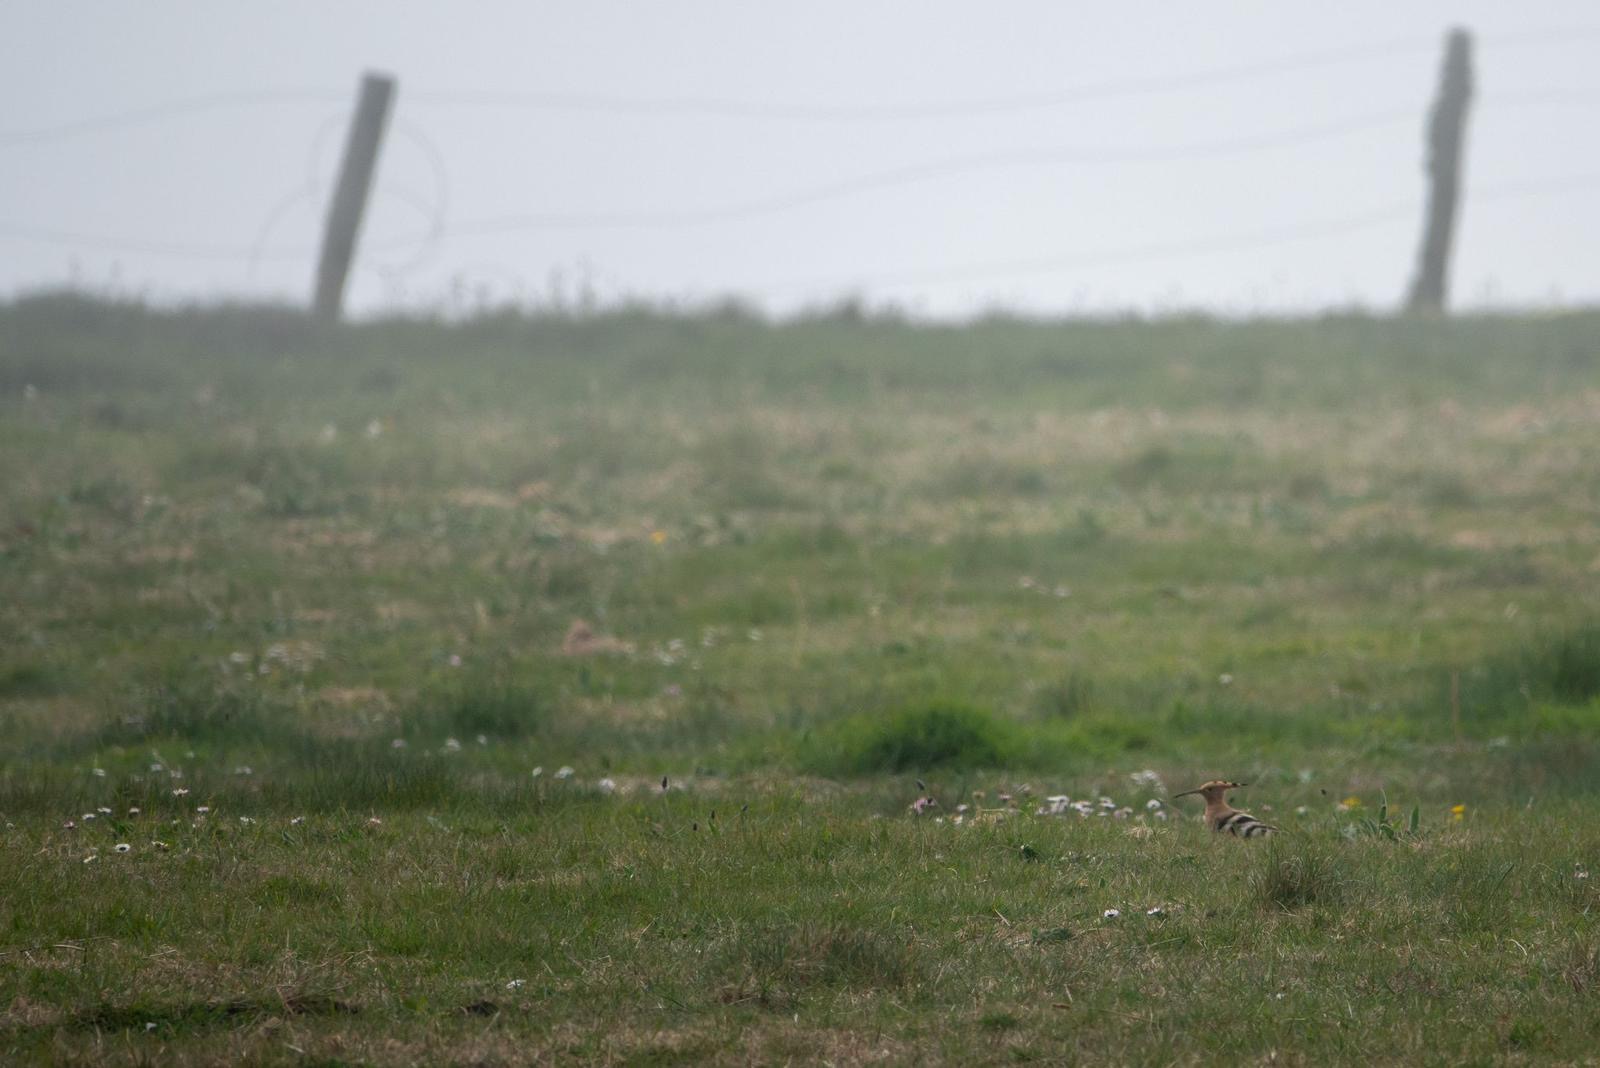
1107, 803
1580, 874
373, 821
180, 791
455, 660
91, 857
244, 769
150, 1026
202, 809
374, 428
606, 786
516, 984
88, 816
452, 745
564, 772
154, 844
70, 825
755, 634
1225, 678
236, 657
123, 847
538, 771
483, 739
157, 768
1155, 910
297, 821
1152, 804
1110, 914
99, 773
398, 743
1161, 815
103, 810
1301, 810
246, 820
134, 811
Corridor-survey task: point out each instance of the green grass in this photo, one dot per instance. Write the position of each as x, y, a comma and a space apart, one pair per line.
332, 575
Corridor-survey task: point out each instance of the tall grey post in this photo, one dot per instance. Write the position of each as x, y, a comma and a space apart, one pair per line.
1447, 124
350, 197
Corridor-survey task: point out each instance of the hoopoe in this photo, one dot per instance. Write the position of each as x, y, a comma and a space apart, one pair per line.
1221, 816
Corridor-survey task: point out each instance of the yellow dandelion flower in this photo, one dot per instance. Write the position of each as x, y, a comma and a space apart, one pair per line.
1458, 811
1350, 802
658, 536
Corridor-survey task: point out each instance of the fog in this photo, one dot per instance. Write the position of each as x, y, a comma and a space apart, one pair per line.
1047, 158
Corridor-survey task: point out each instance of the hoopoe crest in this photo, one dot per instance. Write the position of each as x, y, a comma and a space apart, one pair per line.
1223, 817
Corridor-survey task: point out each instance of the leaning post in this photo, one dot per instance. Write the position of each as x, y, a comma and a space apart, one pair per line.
1447, 123
349, 202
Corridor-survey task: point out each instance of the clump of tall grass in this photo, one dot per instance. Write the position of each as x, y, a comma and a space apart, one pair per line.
936, 734
1557, 664
795, 957
194, 706
1068, 697
1294, 875
494, 706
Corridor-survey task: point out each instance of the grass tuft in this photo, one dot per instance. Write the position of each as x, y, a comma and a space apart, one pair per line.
939, 734
794, 958
1292, 876
495, 707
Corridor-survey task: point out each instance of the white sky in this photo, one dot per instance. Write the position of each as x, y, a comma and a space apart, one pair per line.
1038, 234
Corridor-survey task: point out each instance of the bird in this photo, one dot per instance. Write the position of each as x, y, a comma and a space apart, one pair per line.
1223, 817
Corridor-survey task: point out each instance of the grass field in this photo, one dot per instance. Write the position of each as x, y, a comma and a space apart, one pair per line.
296, 615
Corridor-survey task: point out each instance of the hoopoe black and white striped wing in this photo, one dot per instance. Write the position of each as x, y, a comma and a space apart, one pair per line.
1243, 825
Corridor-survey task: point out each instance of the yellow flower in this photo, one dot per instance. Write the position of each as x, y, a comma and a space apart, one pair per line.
658, 536
1458, 811
1350, 802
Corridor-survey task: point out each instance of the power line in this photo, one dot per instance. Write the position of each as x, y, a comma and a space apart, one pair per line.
729, 108
715, 107
1231, 242
894, 177
917, 173
169, 109
884, 179
719, 107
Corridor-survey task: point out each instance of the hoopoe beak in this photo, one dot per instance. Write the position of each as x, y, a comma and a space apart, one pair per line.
1186, 793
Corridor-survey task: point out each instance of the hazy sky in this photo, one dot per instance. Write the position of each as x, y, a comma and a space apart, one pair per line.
1046, 156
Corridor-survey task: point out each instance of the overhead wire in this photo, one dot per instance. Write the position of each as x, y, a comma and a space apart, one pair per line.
1234, 241
889, 178
435, 208
732, 108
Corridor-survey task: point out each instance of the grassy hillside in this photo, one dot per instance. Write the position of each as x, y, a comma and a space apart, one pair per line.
339, 574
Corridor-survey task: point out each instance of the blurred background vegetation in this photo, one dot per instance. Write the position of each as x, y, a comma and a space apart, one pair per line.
408, 558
